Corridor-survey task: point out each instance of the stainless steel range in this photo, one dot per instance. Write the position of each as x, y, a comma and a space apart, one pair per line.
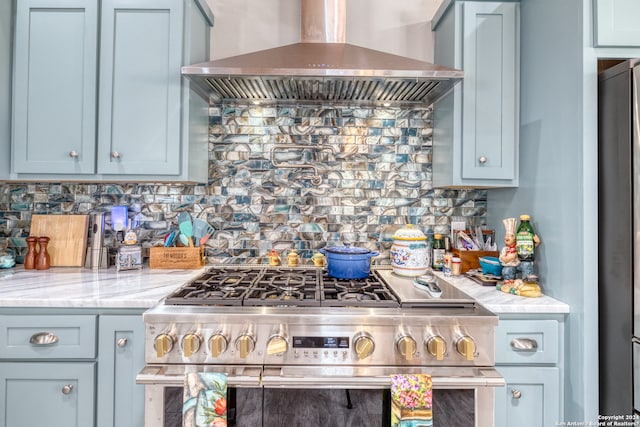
297, 328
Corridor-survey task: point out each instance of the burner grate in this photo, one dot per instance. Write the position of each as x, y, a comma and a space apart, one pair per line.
262, 286
368, 292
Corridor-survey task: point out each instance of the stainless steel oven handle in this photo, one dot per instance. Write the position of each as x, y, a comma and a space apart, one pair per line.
174, 376
485, 377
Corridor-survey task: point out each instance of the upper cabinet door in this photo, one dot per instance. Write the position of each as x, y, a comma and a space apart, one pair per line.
54, 91
616, 23
140, 81
489, 106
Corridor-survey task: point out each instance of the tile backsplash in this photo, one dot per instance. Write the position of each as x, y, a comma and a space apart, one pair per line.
281, 177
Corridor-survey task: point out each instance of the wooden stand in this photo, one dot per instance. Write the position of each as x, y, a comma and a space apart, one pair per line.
469, 260
176, 258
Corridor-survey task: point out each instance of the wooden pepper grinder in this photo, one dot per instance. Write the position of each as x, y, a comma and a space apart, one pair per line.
43, 262
30, 257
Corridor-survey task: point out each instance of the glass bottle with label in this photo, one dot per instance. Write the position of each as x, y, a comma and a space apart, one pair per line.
437, 259
525, 240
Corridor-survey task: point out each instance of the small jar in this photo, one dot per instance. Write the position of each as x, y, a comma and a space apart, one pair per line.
456, 266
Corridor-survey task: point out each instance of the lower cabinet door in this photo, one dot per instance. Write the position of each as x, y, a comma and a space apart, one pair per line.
47, 394
531, 397
121, 357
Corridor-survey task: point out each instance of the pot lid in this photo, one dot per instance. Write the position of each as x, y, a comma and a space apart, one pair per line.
347, 249
409, 232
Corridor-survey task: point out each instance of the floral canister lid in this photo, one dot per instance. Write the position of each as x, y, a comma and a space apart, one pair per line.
409, 232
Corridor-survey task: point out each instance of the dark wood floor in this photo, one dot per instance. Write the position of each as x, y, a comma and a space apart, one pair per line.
308, 408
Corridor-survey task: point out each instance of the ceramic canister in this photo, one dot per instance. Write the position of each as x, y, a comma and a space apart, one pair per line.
409, 252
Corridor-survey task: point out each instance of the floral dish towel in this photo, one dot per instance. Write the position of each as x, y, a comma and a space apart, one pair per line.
411, 400
205, 400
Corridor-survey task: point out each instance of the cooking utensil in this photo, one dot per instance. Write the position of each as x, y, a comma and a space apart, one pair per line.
201, 228
348, 262
186, 227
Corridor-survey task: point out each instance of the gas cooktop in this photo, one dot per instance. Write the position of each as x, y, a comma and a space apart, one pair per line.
307, 287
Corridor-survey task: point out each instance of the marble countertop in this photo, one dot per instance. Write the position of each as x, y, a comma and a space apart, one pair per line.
66, 287
502, 303
79, 287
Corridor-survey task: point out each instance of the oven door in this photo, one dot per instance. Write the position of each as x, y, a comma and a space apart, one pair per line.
312, 395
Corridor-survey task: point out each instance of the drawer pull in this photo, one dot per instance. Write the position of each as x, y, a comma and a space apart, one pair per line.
517, 394
122, 342
524, 344
43, 338
67, 389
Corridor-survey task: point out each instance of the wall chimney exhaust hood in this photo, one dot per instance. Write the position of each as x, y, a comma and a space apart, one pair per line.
322, 68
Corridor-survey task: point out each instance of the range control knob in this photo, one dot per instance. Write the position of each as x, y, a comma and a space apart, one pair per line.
436, 346
163, 344
406, 346
466, 347
363, 345
277, 345
245, 344
191, 344
218, 344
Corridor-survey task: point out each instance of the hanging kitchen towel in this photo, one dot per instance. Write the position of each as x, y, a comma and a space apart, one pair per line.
411, 400
205, 400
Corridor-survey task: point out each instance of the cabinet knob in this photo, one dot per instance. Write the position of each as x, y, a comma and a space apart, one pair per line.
122, 342
482, 160
74, 154
67, 389
115, 154
517, 394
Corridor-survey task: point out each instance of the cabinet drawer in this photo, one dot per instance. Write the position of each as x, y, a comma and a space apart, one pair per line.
47, 337
527, 341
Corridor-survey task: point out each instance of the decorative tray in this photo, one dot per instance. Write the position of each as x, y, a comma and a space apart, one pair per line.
483, 279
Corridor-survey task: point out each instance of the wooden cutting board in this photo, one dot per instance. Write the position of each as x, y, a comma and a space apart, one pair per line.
68, 234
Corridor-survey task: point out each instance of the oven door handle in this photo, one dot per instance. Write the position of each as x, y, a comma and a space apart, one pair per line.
173, 376
464, 378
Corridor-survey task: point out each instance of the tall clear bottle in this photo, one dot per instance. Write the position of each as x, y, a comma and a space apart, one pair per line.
525, 240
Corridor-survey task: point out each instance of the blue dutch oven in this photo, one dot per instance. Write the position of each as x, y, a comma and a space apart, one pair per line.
348, 262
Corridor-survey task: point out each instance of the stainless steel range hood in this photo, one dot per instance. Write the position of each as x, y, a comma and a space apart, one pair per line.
322, 68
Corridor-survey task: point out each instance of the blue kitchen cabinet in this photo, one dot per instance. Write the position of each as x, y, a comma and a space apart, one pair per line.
148, 127
58, 394
529, 354
616, 23
530, 397
121, 357
476, 126
47, 370
6, 18
54, 86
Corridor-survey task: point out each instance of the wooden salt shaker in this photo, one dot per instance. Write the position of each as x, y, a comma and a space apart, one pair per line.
43, 262
30, 257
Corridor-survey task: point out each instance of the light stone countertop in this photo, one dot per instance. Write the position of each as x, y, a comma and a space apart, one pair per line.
502, 303
66, 287
83, 288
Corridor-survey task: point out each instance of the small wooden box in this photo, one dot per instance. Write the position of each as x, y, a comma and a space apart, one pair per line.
469, 260
180, 257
